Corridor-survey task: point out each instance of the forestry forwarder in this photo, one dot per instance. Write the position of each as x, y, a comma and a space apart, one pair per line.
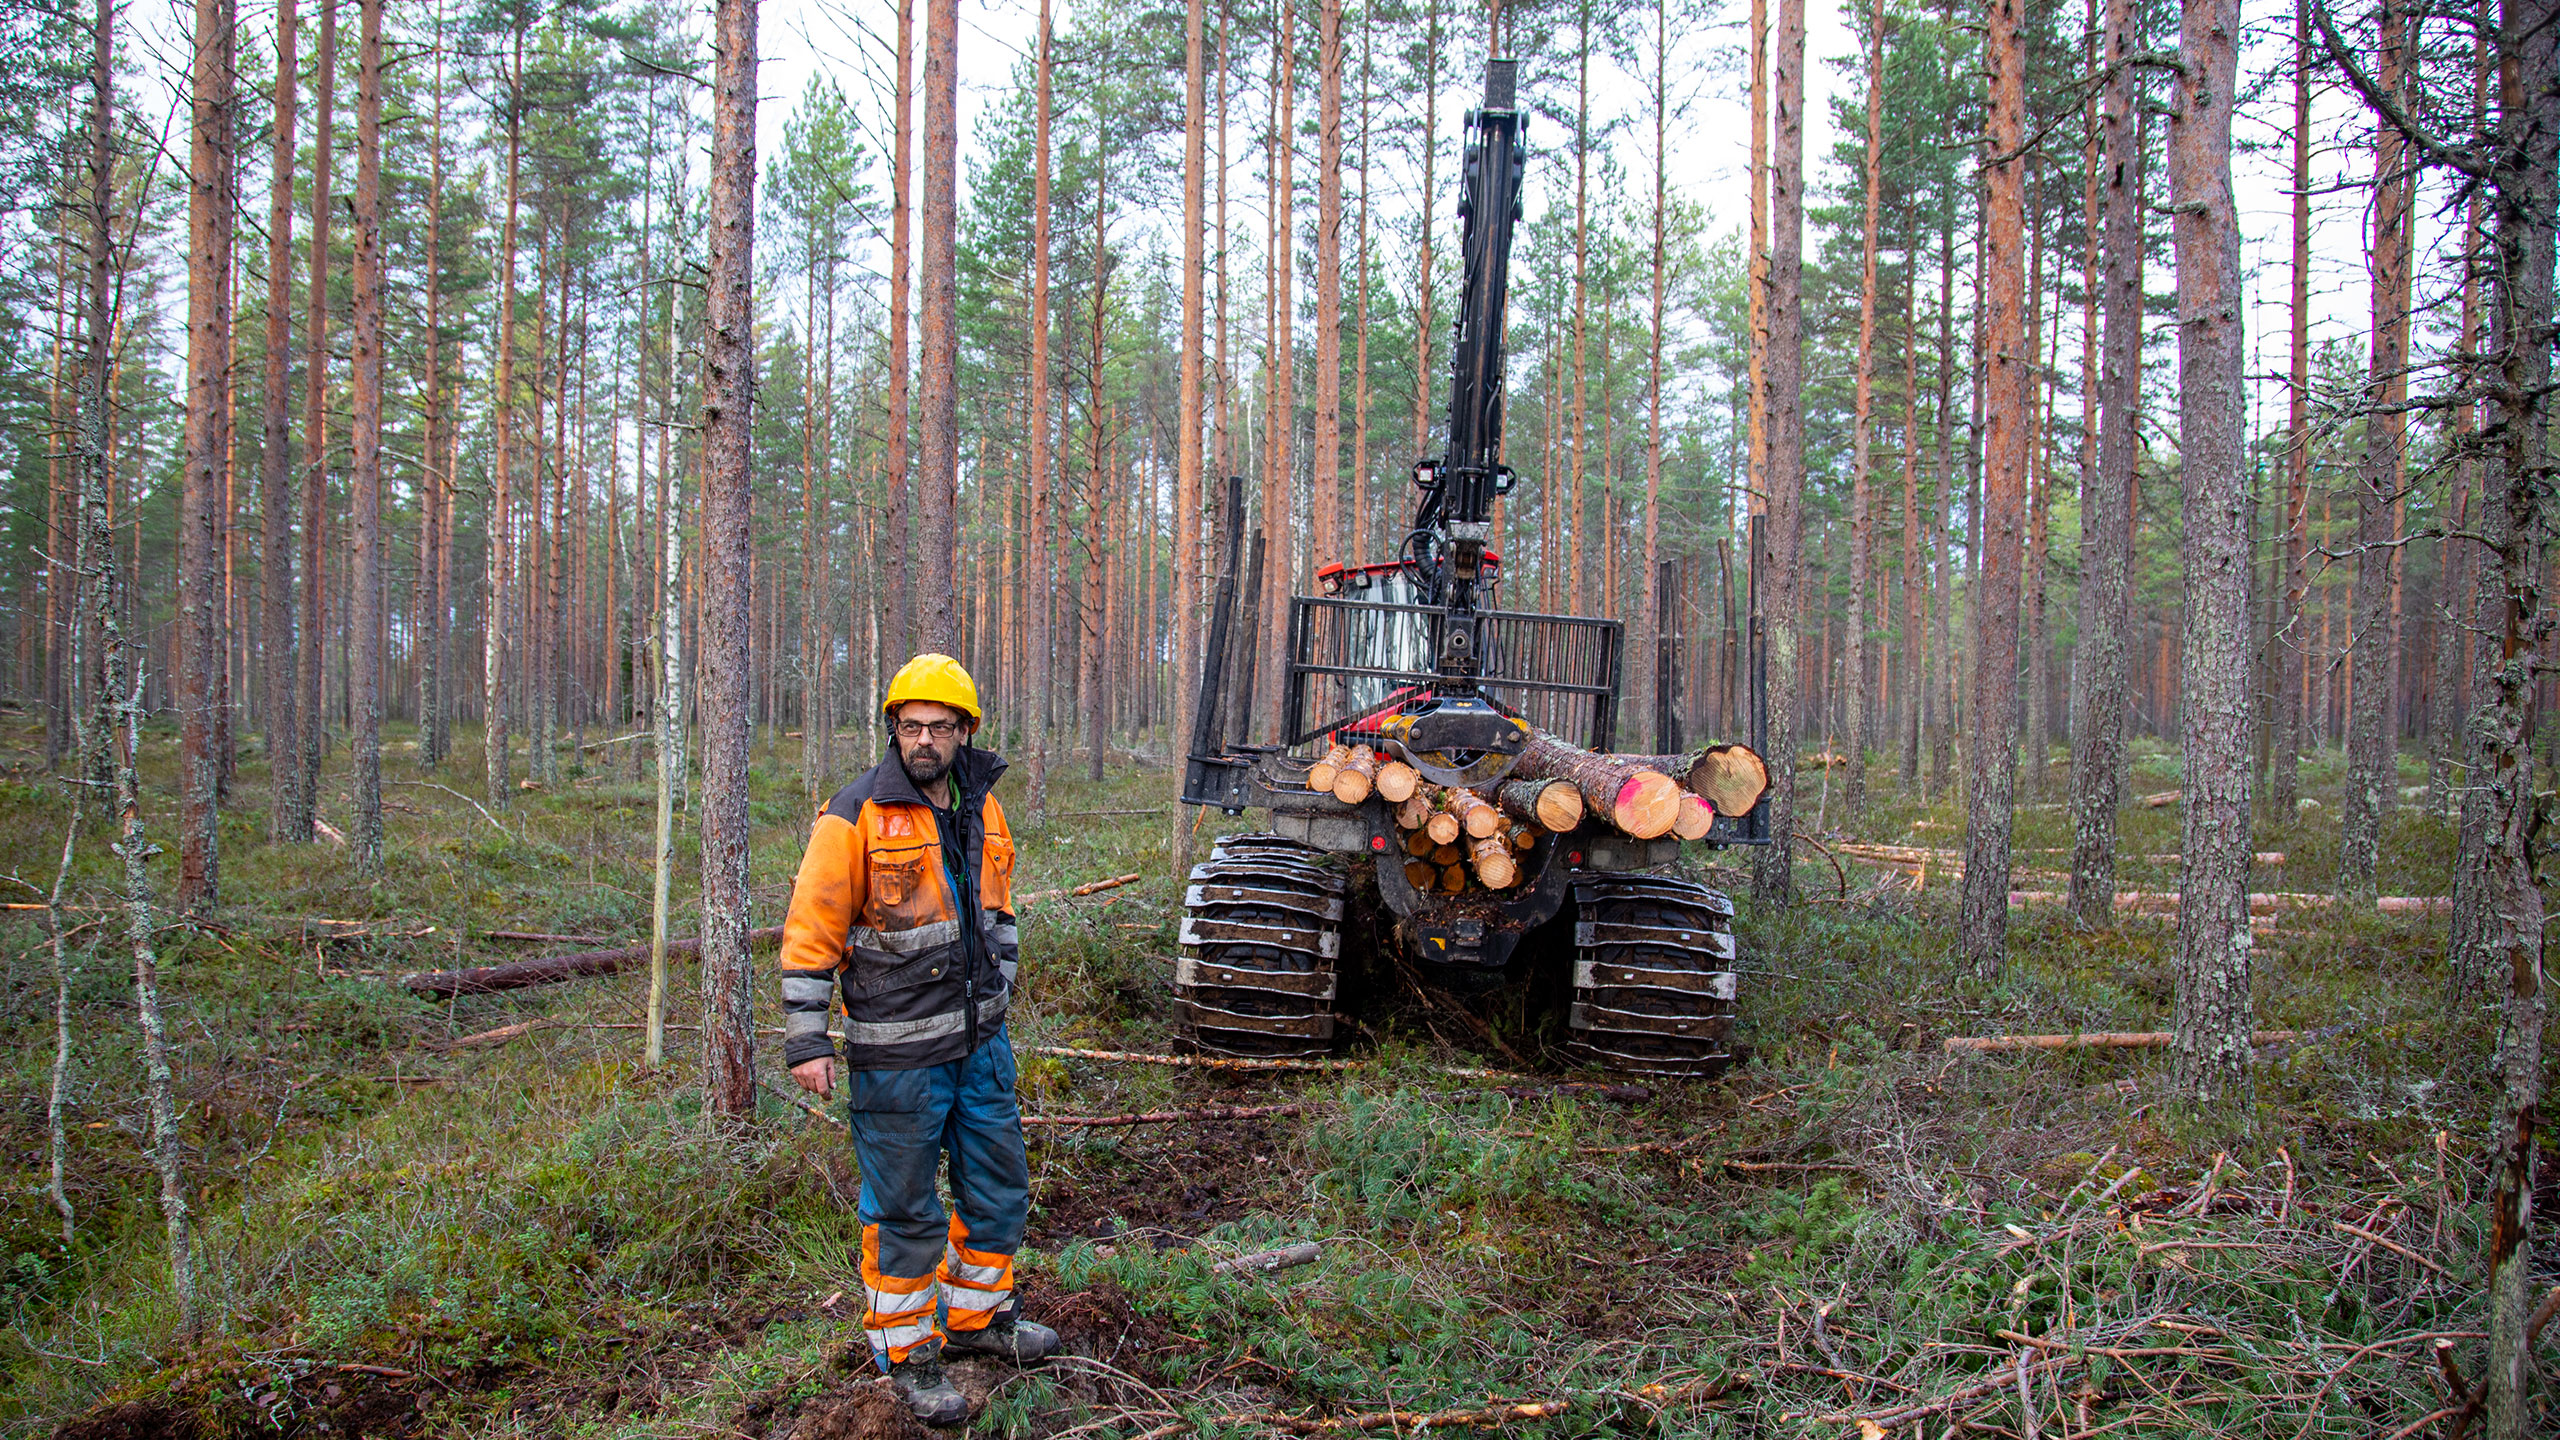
1423, 730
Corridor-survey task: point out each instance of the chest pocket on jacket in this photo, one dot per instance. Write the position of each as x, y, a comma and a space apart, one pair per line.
900, 879
1000, 861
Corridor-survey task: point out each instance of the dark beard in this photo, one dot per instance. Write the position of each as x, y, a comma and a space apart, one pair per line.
923, 768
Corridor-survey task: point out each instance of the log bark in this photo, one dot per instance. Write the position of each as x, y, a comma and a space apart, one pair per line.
1548, 804
1636, 799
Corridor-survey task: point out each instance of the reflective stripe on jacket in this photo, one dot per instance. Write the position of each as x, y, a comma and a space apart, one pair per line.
874, 917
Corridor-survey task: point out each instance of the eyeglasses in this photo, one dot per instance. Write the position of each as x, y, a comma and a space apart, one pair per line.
918, 729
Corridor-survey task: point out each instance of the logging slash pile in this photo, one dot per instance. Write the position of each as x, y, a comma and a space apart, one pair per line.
1457, 839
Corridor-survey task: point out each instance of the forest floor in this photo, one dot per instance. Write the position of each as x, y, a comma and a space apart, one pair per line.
1853, 1228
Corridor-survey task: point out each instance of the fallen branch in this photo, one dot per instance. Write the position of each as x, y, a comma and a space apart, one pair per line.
1221, 1062
2098, 1040
1768, 1167
793, 1096
544, 937
1095, 887
465, 799
1400, 1420
1304, 1253
2261, 902
1167, 1117
517, 975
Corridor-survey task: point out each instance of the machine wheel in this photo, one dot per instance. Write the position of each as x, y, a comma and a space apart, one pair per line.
1653, 979
1261, 941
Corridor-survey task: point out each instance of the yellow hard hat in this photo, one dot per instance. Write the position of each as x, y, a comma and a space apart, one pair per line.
937, 678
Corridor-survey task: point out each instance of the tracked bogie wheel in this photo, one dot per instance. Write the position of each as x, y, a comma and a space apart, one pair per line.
1653, 978
1261, 946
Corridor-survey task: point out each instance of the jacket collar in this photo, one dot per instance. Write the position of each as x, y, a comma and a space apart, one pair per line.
975, 770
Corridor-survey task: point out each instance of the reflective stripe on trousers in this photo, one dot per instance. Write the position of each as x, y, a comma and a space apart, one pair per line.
904, 1122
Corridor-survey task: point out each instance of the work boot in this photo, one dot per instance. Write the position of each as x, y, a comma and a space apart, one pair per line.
929, 1393
1007, 1337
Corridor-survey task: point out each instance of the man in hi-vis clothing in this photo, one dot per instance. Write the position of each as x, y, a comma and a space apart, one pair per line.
904, 909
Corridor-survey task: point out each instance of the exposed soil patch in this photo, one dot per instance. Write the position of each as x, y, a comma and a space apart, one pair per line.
1183, 1181
133, 1420
863, 1410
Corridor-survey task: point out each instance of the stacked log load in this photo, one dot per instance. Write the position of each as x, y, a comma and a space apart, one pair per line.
1457, 839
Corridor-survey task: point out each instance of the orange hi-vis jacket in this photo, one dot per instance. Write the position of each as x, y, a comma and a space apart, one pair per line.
912, 926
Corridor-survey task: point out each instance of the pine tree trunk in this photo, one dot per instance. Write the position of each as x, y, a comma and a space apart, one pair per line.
728, 971
2507, 927
1188, 416
938, 332
1424, 320
212, 129
1101, 483
1037, 583
1325, 464
435, 668
2372, 735
1915, 583
2098, 707
1942, 658
2457, 605
497, 588
365, 478
1862, 520
275, 450
1280, 427
1779, 563
1650, 617
899, 486
2007, 392
2210, 1059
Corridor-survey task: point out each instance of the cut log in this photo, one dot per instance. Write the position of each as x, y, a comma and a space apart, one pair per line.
1694, 818
1639, 801
1524, 837
1359, 775
1397, 781
1447, 853
1476, 817
1321, 774
1732, 778
1421, 874
550, 969
1453, 878
1443, 826
1419, 842
2163, 800
1491, 856
1413, 812
1548, 804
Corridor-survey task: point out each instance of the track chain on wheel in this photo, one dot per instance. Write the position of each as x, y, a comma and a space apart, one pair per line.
1653, 978
1261, 940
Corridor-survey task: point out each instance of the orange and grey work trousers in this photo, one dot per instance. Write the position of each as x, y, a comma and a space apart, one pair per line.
916, 1259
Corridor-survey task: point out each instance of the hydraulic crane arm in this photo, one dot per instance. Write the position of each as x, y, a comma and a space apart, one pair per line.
1454, 735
